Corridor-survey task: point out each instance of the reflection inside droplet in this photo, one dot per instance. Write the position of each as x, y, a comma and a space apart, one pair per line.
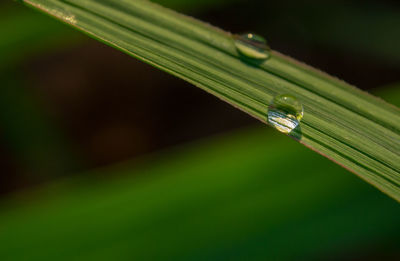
285, 113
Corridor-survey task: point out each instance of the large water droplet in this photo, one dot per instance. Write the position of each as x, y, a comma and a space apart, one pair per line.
285, 113
252, 46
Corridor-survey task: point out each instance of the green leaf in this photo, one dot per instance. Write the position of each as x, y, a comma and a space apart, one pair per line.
223, 198
350, 127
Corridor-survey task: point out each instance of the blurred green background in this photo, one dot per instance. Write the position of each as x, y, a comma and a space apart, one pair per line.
101, 160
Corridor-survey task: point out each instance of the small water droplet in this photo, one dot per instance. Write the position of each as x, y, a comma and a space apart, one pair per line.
252, 46
285, 113
60, 13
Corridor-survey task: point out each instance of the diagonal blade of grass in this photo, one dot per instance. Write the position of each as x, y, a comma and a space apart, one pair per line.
352, 128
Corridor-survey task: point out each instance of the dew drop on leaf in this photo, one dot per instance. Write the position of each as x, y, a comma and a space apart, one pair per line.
285, 113
252, 46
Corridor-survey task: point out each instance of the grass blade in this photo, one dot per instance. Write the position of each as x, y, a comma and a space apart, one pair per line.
352, 128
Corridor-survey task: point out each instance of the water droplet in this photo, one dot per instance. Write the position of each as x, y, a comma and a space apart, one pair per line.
252, 46
285, 113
